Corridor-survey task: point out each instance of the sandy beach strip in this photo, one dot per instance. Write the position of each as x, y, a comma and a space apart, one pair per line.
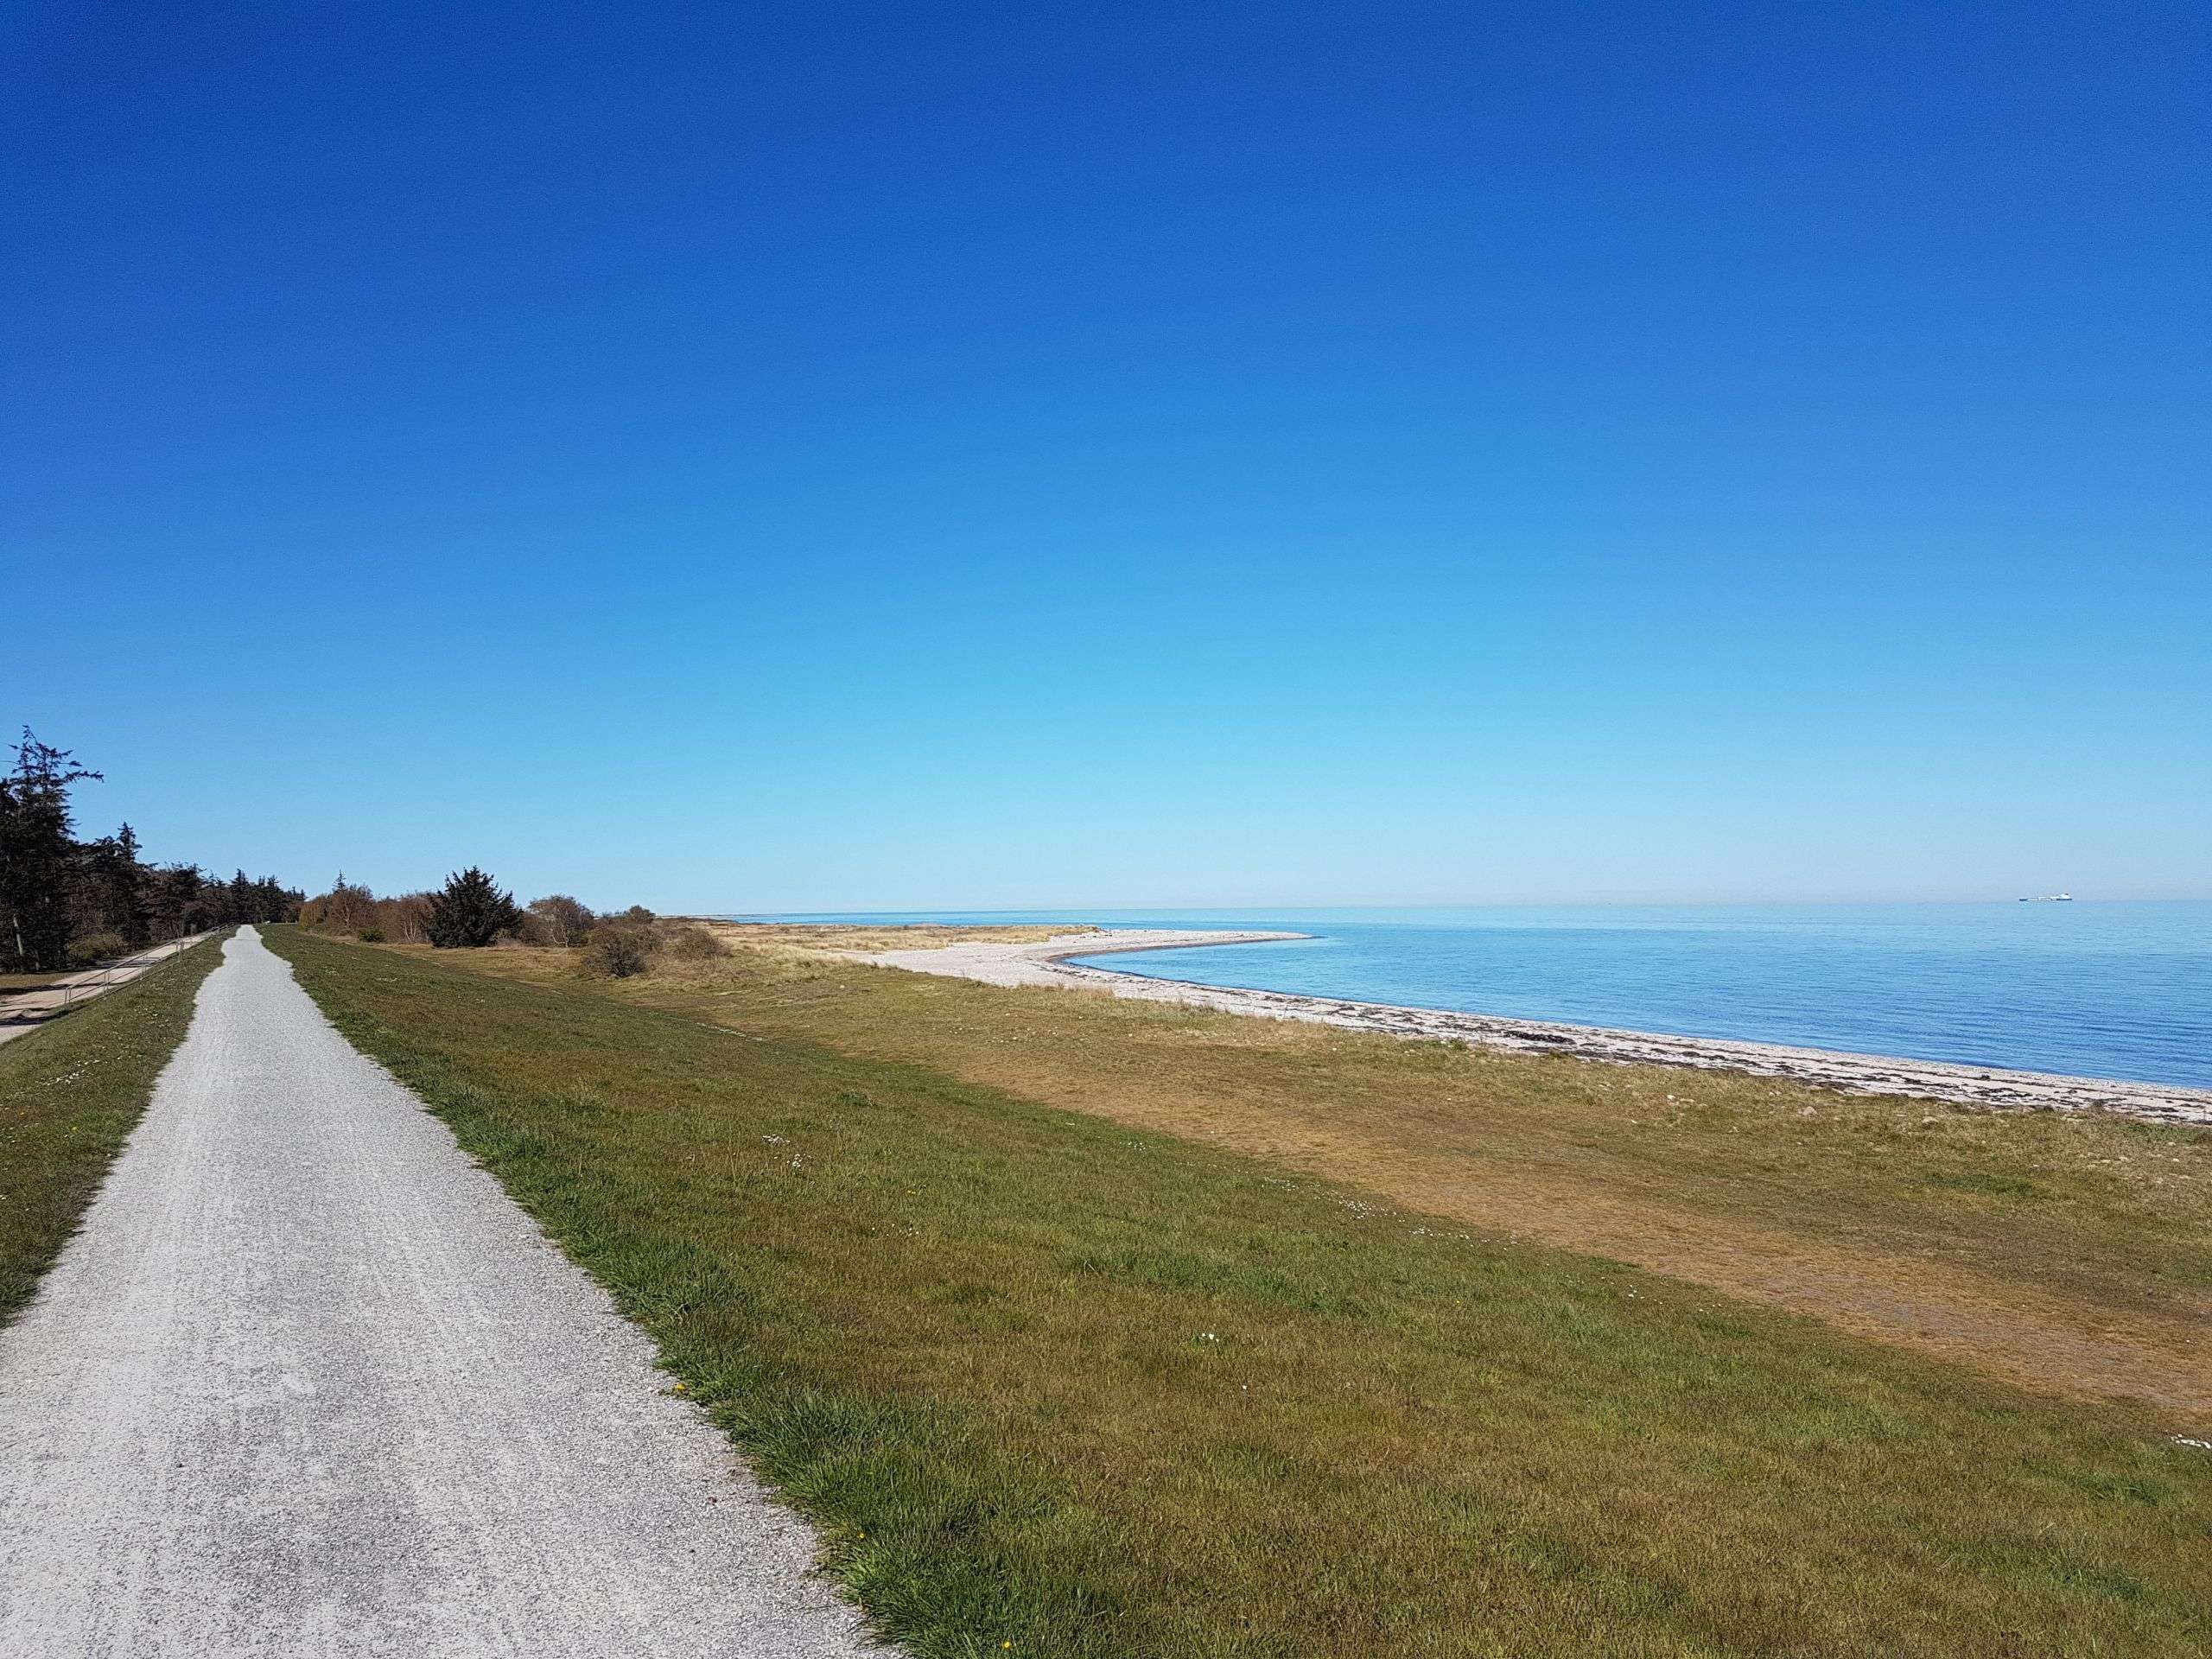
1045, 963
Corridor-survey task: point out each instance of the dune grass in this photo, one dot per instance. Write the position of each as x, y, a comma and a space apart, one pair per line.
1053, 1384
70, 1093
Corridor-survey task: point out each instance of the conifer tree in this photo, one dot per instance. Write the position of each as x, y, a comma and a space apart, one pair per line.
470, 911
36, 855
177, 901
115, 889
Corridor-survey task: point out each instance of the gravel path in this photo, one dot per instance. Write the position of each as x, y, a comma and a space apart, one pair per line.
308, 1383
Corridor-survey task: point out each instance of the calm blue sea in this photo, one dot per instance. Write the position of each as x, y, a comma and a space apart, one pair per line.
2095, 989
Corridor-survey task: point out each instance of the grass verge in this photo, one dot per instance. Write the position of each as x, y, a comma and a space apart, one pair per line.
1052, 1385
70, 1093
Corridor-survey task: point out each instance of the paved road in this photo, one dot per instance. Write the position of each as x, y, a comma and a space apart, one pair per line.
308, 1384
26, 1011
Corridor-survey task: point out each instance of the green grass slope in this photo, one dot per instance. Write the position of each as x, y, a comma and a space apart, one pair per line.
1052, 1385
70, 1093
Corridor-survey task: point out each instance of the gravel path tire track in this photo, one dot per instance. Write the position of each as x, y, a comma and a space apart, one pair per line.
307, 1382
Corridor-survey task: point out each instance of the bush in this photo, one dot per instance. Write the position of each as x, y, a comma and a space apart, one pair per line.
618, 952
690, 944
96, 947
349, 907
471, 911
345, 908
557, 919
405, 919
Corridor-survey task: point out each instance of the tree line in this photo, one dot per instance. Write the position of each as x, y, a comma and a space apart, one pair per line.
472, 911
65, 902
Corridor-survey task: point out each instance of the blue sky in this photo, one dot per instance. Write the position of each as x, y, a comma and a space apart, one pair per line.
820, 456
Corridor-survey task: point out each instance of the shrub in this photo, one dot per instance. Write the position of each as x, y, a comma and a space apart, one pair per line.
344, 909
471, 911
405, 919
349, 907
618, 952
691, 944
95, 948
557, 919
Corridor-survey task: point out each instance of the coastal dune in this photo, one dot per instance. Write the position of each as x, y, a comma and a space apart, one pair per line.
1046, 964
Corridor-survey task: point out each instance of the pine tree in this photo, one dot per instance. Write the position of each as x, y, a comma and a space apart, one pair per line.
37, 855
115, 889
471, 911
275, 902
178, 907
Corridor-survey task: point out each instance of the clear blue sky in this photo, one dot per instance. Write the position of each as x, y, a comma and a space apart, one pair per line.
825, 456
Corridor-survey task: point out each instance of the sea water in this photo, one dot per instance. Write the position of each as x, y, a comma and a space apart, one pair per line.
2101, 989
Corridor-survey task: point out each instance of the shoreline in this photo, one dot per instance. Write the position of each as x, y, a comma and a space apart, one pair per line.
1952, 1083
